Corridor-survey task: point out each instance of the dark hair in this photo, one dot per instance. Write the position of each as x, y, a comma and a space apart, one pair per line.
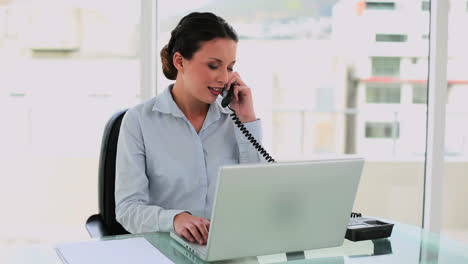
187, 36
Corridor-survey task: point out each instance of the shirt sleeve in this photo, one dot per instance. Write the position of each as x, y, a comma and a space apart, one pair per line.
247, 152
132, 209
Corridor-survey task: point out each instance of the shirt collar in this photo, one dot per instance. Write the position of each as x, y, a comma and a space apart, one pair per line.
164, 103
224, 110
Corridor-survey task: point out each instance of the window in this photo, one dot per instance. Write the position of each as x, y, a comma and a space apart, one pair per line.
386, 66
66, 67
380, 5
321, 107
112, 83
390, 38
383, 93
419, 94
382, 130
425, 5
324, 99
456, 128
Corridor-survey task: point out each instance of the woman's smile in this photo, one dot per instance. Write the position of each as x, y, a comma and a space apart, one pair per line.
215, 90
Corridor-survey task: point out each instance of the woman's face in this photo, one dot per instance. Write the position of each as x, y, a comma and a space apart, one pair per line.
209, 69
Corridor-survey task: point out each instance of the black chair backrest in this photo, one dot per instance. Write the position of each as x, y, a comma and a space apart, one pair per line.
107, 174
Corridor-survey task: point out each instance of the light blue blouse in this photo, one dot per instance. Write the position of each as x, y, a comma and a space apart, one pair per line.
164, 167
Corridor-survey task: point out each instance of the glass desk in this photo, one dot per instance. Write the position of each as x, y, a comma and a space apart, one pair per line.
408, 244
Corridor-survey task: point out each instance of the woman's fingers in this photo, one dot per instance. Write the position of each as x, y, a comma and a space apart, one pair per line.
195, 233
203, 231
236, 92
241, 93
192, 228
239, 87
187, 235
236, 77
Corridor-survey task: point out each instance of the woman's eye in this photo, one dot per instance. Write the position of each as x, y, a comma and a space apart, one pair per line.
214, 67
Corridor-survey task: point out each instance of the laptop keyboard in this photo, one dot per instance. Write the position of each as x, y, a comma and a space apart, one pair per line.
191, 247
200, 248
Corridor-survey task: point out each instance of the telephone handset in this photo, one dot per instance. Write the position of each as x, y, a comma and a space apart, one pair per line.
229, 96
225, 103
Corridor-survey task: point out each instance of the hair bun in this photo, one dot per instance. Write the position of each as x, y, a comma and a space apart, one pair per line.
168, 67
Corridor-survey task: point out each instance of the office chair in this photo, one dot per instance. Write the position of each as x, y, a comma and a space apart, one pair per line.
104, 223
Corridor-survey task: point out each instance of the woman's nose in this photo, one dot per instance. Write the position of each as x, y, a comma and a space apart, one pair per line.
223, 77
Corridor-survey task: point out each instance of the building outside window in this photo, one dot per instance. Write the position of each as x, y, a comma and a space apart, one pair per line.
425, 5
380, 5
386, 66
390, 38
382, 130
387, 93
419, 93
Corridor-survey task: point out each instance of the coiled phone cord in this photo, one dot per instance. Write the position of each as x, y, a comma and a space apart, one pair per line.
355, 215
249, 136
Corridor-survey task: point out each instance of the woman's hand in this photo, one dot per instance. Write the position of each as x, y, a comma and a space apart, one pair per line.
242, 103
192, 228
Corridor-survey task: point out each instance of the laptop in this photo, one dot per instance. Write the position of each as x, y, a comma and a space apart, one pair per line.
262, 209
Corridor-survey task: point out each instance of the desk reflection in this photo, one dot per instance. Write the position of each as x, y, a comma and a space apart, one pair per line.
182, 254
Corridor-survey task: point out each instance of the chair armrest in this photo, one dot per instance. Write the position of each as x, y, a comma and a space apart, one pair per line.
95, 226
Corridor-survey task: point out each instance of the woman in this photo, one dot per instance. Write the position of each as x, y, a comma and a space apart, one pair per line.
170, 147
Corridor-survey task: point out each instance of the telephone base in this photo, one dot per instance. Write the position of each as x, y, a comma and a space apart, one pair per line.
365, 228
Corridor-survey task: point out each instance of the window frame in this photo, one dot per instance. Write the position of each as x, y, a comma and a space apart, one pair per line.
148, 49
437, 92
